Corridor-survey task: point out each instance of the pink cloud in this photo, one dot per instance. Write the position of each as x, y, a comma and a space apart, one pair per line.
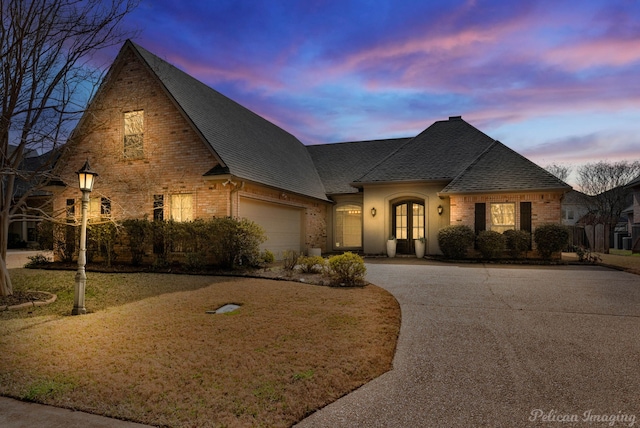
595, 53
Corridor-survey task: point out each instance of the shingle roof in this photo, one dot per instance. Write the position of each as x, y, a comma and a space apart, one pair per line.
250, 146
634, 183
500, 169
440, 152
340, 164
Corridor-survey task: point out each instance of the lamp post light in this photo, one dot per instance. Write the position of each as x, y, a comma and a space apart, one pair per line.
86, 178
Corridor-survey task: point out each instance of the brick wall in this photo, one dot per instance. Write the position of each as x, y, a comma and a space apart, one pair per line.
545, 207
174, 160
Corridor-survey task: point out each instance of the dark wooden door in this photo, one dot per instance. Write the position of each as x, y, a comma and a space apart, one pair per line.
408, 224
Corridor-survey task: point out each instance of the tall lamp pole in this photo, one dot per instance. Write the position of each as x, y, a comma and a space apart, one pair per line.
86, 178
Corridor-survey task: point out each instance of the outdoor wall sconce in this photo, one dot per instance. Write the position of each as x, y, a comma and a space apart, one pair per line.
440, 210
373, 212
86, 178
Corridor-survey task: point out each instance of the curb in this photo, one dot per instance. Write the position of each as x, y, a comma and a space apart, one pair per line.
31, 304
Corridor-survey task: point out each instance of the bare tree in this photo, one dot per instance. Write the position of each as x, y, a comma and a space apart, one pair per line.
47, 76
605, 182
560, 171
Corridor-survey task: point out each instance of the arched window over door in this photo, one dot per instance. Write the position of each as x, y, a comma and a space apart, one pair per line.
408, 224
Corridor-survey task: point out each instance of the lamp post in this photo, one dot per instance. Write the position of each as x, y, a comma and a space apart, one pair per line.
86, 178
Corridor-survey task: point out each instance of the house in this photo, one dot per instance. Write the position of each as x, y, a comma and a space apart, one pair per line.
634, 215
167, 146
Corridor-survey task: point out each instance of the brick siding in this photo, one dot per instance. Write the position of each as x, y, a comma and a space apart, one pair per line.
174, 161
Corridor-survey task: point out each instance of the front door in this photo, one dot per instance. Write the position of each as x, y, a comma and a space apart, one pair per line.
408, 224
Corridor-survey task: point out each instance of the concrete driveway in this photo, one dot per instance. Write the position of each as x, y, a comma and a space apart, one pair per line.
504, 347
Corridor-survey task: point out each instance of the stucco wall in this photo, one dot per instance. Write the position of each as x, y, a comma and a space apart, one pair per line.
378, 229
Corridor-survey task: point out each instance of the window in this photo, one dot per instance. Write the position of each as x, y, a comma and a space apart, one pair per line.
182, 207
105, 207
348, 228
71, 208
503, 217
99, 208
567, 214
158, 207
133, 134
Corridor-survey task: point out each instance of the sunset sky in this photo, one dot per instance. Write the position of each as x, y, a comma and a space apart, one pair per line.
557, 81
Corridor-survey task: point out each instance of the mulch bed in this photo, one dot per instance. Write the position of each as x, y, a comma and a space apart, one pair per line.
19, 297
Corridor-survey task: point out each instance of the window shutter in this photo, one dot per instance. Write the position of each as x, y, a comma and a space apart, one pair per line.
525, 218
481, 217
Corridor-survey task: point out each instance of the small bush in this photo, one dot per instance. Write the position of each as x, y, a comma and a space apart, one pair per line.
347, 269
290, 259
587, 256
267, 257
311, 264
454, 241
517, 242
550, 238
491, 244
37, 261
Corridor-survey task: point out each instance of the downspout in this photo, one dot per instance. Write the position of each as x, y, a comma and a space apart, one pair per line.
235, 187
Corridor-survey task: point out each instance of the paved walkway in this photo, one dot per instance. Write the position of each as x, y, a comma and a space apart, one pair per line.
480, 346
503, 347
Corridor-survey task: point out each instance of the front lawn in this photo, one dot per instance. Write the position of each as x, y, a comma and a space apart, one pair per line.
149, 352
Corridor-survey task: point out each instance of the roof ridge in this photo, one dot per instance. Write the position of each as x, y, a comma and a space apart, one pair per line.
386, 157
472, 163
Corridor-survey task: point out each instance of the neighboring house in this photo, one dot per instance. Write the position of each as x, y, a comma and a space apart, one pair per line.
167, 146
634, 215
574, 206
34, 169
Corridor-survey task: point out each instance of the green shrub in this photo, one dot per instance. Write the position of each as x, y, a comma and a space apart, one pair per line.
36, 261
311, 264
267, 257
347, 269
101, 241
517, 242
195, 261
139, 232
44, 235
491, 244
550, 238
290, 259
454, 241
235, 242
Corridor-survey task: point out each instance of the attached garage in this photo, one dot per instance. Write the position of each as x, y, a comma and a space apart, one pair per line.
282, 224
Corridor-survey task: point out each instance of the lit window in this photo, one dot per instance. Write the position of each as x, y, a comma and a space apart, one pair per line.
348, 226
503, 217
133, 134
182, 207
99, 208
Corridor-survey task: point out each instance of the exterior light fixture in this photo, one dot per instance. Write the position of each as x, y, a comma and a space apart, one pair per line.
373, 212
86, 178
440, 209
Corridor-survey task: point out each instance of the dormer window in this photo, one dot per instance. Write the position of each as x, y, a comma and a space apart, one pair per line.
133, 134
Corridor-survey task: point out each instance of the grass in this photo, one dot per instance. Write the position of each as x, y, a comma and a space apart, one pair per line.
148, 352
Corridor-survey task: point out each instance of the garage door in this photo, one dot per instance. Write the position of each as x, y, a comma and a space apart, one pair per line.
282, 224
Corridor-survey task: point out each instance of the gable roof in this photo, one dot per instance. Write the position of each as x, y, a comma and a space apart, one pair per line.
440, 152
249, 146
340, 164
500, 169
634, 183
